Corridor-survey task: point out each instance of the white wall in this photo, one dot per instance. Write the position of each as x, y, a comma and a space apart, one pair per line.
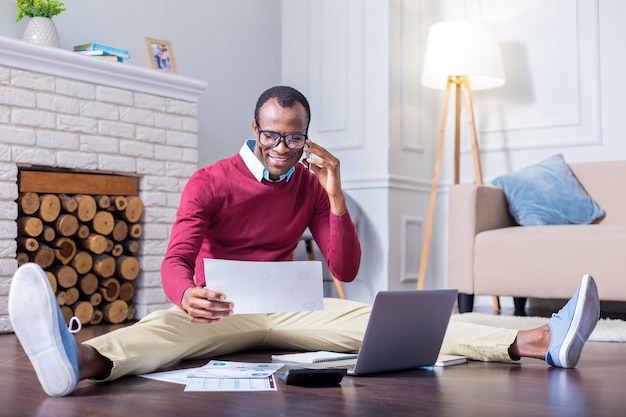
563, 94
343, 69
565, 90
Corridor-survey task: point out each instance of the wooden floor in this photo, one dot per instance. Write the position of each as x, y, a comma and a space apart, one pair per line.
526, 388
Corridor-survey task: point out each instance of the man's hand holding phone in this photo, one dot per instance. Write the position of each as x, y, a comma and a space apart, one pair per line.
326, 167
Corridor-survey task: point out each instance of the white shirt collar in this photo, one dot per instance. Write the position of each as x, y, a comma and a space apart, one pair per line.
255, 166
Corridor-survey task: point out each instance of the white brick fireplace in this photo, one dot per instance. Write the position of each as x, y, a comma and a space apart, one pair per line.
62, 110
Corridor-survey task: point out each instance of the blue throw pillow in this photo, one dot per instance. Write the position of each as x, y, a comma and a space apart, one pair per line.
547, 193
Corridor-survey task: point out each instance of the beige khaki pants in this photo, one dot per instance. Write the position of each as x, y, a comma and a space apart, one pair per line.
165, 337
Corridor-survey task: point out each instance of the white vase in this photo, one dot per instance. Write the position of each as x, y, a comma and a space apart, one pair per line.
42, 31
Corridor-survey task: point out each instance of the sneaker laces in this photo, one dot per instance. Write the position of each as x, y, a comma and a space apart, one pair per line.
74, 325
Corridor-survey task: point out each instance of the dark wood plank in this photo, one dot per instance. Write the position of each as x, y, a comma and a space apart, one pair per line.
76, 183
526, 388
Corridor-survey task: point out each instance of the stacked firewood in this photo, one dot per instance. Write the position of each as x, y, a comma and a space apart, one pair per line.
87, 245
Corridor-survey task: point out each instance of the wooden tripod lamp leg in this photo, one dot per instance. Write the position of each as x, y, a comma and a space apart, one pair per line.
339, 287
476, 154
433, 191
478, 172
457, 131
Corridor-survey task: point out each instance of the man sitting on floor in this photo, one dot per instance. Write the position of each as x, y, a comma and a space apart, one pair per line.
255, 206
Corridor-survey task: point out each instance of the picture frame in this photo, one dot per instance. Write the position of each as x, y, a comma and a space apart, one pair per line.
160, 55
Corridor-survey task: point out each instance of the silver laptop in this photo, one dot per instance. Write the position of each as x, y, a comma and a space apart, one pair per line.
405, 331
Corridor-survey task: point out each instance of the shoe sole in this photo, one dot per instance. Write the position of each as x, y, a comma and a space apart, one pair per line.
573, 343
34, 317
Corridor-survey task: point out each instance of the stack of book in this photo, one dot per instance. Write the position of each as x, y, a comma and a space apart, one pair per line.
102, 51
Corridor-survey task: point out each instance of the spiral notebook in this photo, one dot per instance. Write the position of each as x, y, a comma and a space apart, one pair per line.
320, 356
405, 330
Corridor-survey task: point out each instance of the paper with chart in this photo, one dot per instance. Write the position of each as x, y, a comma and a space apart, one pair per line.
222, 376
231, 384
229, 369
233, 376
267, 287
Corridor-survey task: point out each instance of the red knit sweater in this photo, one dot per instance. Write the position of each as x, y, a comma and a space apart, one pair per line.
225, 213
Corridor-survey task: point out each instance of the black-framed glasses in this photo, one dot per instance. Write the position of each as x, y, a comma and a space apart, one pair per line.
271, 139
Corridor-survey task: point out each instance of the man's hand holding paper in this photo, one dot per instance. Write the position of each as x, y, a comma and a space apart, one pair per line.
206, 306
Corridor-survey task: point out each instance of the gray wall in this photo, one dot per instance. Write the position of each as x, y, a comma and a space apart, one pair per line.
234, 45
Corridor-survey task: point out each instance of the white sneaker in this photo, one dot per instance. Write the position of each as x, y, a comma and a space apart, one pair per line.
573, 324
40, 327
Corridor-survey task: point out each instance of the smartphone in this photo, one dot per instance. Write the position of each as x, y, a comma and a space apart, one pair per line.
308, 377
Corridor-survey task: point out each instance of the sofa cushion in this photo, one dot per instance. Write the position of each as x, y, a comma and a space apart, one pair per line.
548, 261
547, 193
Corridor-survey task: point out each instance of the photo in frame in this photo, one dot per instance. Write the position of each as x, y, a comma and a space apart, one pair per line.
160, 55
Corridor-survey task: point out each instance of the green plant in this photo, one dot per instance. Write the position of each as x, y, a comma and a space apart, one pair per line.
39, 8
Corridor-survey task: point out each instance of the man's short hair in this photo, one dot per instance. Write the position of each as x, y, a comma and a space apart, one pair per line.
286, 97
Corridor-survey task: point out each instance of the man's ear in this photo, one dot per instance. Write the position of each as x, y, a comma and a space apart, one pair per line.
255, 128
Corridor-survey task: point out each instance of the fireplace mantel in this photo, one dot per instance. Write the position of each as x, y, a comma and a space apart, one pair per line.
67, 64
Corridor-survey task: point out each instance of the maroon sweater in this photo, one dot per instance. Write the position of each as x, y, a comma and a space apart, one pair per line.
225, 213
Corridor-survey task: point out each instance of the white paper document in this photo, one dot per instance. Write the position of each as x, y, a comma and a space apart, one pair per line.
267, 287
177, 376
222, 376
233, 376
229, 369
231, 384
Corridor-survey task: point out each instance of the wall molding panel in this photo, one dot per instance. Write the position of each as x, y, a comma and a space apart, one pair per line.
412, 42
543, 105
410, 247
337, 72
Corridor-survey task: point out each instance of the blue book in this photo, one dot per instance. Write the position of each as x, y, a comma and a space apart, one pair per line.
122, 53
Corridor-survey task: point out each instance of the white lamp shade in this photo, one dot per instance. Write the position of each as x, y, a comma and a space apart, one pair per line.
463, 48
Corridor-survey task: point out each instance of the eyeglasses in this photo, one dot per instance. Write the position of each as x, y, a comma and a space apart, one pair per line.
272, 139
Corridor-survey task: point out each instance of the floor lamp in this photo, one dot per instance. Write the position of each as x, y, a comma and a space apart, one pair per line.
456, 53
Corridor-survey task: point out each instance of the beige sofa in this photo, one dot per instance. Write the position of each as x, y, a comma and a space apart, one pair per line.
489, 254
